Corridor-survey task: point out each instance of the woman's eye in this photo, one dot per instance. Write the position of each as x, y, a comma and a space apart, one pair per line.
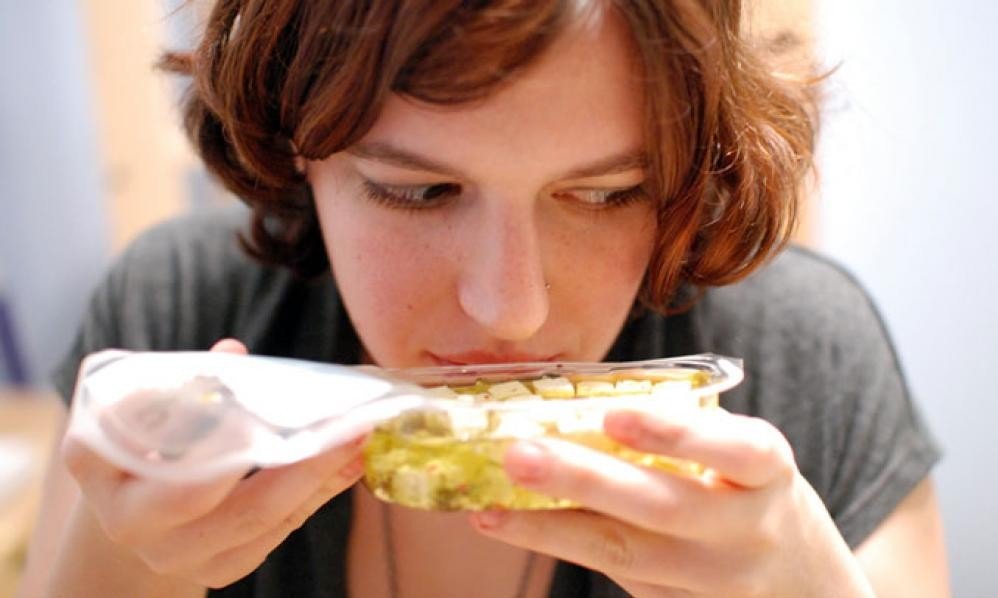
411, 197
603, 198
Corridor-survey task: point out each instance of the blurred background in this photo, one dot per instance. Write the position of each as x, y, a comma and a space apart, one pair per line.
91, 154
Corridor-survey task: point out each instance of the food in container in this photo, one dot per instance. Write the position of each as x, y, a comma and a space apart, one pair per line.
438, 437
447, 454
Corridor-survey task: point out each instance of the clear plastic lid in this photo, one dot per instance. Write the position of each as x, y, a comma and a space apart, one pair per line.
192, 415
708, 374
552, 395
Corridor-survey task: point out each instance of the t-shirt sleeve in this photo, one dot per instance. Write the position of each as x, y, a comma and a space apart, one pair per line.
165, 292
881, 445
821, 366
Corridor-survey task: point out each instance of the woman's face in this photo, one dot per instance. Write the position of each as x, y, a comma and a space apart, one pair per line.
507, 230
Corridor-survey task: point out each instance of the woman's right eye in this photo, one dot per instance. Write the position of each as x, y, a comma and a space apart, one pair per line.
411, 197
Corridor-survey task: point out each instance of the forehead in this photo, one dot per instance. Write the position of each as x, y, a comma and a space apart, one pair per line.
579, 101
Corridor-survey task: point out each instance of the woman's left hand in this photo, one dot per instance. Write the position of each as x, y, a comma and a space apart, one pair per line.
752, 526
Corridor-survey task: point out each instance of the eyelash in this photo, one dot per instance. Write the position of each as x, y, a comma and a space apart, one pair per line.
609, 198
408, 198
415, 198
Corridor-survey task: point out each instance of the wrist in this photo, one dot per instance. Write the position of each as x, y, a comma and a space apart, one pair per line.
90, 564
836, 568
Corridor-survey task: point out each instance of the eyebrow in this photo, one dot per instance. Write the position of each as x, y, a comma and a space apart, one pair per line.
395, 156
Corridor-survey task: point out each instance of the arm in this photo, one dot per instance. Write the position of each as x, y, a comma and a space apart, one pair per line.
107, 532
753, 528
906, 554
69, 554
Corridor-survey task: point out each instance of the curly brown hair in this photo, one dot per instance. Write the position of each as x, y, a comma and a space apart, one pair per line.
275, 81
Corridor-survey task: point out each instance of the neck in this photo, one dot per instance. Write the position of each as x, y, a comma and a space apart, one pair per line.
436, 554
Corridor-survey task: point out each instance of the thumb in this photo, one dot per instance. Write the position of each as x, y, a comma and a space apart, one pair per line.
229, 345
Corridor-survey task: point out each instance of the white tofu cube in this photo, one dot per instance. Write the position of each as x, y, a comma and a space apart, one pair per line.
516, 425
412, 486
508, 390
441, 392
468, 422
554, 388
632, 387
594, 388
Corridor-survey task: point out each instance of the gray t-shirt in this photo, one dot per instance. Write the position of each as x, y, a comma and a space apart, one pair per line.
819, 366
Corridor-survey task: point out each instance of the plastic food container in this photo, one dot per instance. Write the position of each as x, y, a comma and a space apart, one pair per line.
439, 434
447, 453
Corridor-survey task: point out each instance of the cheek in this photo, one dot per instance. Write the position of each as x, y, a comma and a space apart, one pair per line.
607, 260
389, 274
600, 269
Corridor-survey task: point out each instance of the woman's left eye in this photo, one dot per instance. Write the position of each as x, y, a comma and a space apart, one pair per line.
603, 198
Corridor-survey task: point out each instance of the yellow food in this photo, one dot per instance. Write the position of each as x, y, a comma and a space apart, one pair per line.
450, 457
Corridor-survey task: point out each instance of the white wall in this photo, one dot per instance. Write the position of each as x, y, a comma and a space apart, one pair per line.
909, 203
52, 218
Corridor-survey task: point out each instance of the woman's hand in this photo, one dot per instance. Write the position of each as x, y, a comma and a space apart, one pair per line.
752, 526
211, 533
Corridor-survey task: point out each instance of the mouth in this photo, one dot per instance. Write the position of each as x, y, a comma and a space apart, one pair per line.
488, 357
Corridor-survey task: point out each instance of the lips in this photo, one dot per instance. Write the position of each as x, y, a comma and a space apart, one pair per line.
488, 357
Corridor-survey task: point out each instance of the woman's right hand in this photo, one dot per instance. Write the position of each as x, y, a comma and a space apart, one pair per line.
210, 533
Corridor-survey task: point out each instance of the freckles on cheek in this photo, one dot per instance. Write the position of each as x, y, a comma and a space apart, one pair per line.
376, 268
391, 283
616, 259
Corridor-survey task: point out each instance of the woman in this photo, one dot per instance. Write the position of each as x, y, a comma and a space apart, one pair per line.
461, 183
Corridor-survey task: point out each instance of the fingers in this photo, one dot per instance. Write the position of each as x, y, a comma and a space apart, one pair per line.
131, 508
599, 543
272, 497
237, 562
643, 497
258, 514
216, 531
746, 451
127, 506
230, 345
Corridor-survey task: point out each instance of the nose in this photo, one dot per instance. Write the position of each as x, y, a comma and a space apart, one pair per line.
502, 285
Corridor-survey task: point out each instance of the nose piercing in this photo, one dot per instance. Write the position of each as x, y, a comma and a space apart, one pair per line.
547, 286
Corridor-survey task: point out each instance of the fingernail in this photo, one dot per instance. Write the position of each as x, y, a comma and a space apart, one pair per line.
527, 462
489, 519
623, 426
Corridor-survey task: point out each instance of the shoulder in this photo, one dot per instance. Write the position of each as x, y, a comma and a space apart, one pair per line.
191, 283
820, 365
802, 289
800, 306
199, 240
174, 264
187, 282
814, 345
